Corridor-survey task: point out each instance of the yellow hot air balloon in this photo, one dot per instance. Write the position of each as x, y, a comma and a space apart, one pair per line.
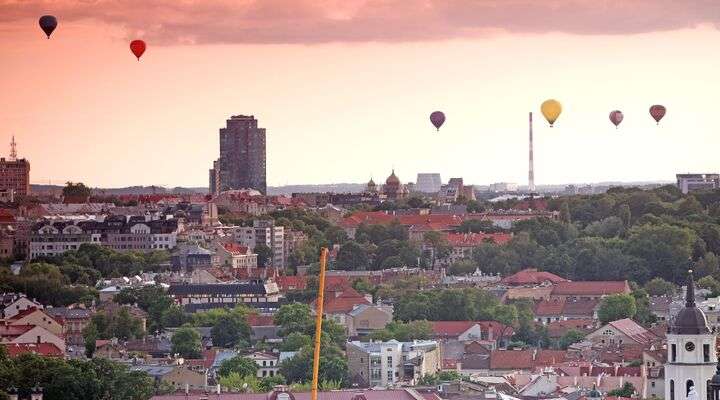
551, 110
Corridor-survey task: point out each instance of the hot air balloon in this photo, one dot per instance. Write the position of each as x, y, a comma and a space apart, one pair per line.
437, 118
48, 23
616, 117
138, 48
551, 110
657, 112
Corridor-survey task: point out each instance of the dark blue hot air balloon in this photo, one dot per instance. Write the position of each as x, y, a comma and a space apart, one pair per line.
48, 23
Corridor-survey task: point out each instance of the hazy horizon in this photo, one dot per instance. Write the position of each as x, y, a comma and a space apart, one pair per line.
344, 89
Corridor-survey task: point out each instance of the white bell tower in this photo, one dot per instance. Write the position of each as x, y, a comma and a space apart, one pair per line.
691, 351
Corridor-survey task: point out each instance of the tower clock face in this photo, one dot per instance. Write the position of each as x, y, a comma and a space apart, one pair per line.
689, 346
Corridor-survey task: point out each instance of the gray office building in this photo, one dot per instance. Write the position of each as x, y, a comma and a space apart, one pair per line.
428, 183
242, 157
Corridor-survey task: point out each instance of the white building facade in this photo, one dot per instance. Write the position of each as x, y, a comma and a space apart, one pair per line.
692, 357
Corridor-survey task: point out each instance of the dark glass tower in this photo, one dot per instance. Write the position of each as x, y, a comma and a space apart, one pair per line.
242, 156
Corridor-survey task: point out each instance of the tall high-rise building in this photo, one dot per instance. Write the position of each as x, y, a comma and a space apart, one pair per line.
242, 157
15, 172
428, 183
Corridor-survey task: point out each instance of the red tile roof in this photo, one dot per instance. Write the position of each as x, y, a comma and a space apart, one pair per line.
286, 283
557, 329
44, 349
546, 358
531, 276
476, 239
260, 320
12, 331
590, 288
526, 359
236, 249
511, 359
369, 217
344, 303
577, 308
634, 331
451, 329
553, 307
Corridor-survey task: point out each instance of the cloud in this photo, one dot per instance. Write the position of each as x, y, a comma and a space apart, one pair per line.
322, 21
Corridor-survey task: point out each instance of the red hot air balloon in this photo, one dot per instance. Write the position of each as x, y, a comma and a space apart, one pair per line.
48, 23
138, 48
616, 117
657, 112
437, 118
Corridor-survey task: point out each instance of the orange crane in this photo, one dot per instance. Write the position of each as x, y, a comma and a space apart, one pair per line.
318, 323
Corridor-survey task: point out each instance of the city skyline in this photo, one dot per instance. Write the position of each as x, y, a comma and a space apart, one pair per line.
344, 98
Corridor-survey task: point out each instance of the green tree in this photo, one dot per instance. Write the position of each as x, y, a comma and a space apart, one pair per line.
240, 365
565, 213
625, 215
264, 255
665, 249
710, 284
659, 287
439, 245
186, 342
293, 317
230, 331
570, 337
76, 190
352, 257
628, 391
615, 307
333, 366
404, 331
295, 341
90, 335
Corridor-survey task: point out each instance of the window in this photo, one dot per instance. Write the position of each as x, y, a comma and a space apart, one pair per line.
652, 383
672, 389
688, 385
706, 352
389, 359
673, 352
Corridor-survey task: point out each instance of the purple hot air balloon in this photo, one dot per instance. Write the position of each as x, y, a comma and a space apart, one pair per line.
657, 112
437, 118
48, 23
616, 117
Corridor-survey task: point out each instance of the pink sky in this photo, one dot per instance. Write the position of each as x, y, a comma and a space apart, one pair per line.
344, 88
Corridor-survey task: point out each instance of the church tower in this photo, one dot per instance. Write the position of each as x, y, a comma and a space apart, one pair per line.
691, 351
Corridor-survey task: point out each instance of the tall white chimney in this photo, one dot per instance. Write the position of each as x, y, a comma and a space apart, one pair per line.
531, 167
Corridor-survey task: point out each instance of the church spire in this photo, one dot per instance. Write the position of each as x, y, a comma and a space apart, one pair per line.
690, 292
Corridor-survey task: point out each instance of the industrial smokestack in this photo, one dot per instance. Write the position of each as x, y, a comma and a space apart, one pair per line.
531, 167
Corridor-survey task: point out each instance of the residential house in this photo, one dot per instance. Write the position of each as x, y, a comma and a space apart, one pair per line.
189, 257
623, 331
532, 277
15, 303
462, 245
42, 349
385, 364
268, 363
26, 334
73, 320
364, 319
491, 334
503, 362
36, 317
178, 376
589, 290
196, 297
560, 309
235, 256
